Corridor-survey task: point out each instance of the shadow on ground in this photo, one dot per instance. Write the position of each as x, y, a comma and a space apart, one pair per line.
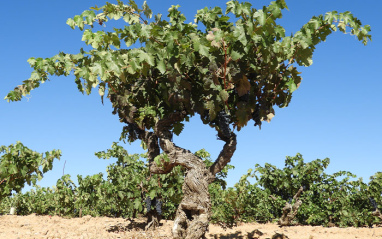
122, 227
255, 234
250, 235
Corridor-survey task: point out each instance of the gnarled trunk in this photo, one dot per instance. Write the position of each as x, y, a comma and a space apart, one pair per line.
194, 211
153, 219
290, 211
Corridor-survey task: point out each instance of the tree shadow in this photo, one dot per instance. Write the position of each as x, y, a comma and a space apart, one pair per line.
122, 227
255, 234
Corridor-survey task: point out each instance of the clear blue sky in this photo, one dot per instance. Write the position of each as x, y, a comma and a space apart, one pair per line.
336, 112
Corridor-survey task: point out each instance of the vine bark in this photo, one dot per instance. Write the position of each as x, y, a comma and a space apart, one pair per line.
194, 211
290, 211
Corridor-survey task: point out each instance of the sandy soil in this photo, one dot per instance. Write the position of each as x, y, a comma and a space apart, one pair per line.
33, 226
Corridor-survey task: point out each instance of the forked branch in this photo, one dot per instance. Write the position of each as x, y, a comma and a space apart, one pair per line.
290, 211
176, 154
225, 155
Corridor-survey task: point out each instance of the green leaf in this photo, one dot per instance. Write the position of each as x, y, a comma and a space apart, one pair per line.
97, 69
121, 194
153, 193
224, 95
342, 26
78, 21
89, 16
146, 10
204, 50
236, 55
240, 34
71, 23
32, 61
210, 105
261, 17
145, 57
161, 66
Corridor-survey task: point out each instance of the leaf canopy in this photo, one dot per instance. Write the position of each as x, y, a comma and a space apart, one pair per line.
20, 165
243, 66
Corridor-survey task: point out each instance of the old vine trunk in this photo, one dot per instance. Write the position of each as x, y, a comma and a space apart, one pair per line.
194, 211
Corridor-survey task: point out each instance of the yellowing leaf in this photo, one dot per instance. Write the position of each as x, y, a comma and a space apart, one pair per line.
210, 36
215, 44
268, 118
242, 117
243, 86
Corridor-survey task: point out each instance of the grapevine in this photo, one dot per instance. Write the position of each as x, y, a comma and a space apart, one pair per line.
373, 203
158, 206
223, 121
148, 203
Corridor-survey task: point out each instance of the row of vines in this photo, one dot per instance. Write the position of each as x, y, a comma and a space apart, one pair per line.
300, 193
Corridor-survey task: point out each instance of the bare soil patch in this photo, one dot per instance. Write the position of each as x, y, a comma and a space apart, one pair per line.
32, 226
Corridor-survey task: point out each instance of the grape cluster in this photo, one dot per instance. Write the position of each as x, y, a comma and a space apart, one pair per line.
157, 202
373, 203
223, 120
158, 206
148, 204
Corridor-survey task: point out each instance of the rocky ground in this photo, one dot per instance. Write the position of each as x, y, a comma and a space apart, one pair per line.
32, 226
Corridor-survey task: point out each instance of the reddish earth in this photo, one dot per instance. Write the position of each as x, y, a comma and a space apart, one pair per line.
32, 226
